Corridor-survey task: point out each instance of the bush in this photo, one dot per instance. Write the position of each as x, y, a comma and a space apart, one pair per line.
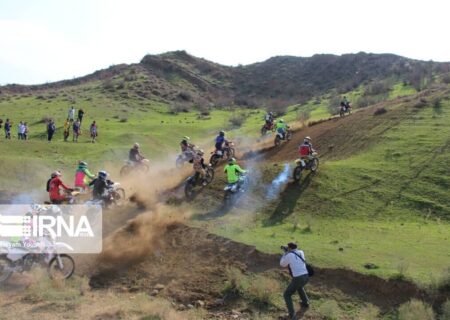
366, 101
415, 310
376, 88
236, 121
262, 290
108, 85
421, 103
333, 105
369, 312
446, 78
380, 111
179, 107
123, 120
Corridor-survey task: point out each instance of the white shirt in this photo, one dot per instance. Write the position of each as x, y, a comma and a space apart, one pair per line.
21, 128
298, 267
71, 113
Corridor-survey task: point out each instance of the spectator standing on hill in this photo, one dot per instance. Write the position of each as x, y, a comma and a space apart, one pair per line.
25, 131
66, 129
8, 129
76, 130
93, 130
20, 131
80, 115
51, 128
294, 259
71, 114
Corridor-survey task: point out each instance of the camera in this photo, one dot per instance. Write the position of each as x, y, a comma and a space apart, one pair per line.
284, 248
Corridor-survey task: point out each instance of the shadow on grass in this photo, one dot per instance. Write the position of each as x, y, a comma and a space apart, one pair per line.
288, 200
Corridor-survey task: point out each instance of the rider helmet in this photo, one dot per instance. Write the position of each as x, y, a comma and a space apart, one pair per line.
222, 133
55, 174
200, 152
83, 163
232, 161
102, 174
136, 145
281, 120
307, 139
271, 113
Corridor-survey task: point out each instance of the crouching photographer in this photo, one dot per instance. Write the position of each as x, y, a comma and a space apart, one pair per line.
294, 259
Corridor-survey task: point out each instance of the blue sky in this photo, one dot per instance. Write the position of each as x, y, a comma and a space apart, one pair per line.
50, 40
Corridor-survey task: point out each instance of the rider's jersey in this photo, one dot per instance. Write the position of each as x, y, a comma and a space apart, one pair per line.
281, 125
134, 155
232, 171
83, 176
53, 188
101, 187
220, 139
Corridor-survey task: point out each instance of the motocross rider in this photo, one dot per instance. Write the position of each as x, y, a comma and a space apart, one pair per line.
220, 140
187, 149
135, 155
53, 188
269, 118
199, 166
102, 187
281, 127
233, 171
83, 176
306, 149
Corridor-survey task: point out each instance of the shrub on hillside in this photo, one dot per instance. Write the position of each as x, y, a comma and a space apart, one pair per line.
236, 121
330, 310
123, 120
377, 88
415, 310
421, 103
366, 101
108, 85
333, 104
380, 111
184, 96
176, 108
121, 85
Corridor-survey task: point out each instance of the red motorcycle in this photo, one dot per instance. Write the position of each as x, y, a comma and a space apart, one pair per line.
267, 127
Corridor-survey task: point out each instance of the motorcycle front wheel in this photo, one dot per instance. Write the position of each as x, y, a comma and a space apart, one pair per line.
277, 140
314, 165
5, 269
119, 196
62, 268
125, 170
214, 160
189, 191
297, 173
209, 175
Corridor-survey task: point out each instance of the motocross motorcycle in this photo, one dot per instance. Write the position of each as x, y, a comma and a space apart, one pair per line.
234, 190
182, 158
130, 166
194, 182
267, 127
279, 136
116, 196
343, 109
305, 164
22, 258
227, 152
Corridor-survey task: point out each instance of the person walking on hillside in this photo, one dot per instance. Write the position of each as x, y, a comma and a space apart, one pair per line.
8, 129
51, 128
294, 259
20, 131
71, 114
66, 129
76, 130
25, 131
93, 131
80, 115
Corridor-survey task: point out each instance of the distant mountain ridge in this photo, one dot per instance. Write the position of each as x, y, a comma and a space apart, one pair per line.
179, 76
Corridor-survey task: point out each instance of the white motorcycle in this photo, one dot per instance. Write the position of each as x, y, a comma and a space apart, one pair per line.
22, 257
116, 195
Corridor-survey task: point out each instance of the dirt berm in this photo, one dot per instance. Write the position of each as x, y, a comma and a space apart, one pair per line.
191, 264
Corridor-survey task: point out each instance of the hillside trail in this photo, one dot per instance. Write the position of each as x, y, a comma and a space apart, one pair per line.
191, 264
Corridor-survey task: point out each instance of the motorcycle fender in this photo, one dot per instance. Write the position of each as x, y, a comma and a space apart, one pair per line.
219, 153
61, 246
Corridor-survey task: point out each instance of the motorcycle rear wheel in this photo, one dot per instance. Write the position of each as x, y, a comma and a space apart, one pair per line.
209, 175
55, 271
126, 169
189, 191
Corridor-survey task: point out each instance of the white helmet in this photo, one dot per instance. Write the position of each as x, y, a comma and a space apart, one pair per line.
136, 145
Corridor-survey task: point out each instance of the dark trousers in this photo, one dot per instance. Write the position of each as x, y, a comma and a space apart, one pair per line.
50, 135
296, 285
